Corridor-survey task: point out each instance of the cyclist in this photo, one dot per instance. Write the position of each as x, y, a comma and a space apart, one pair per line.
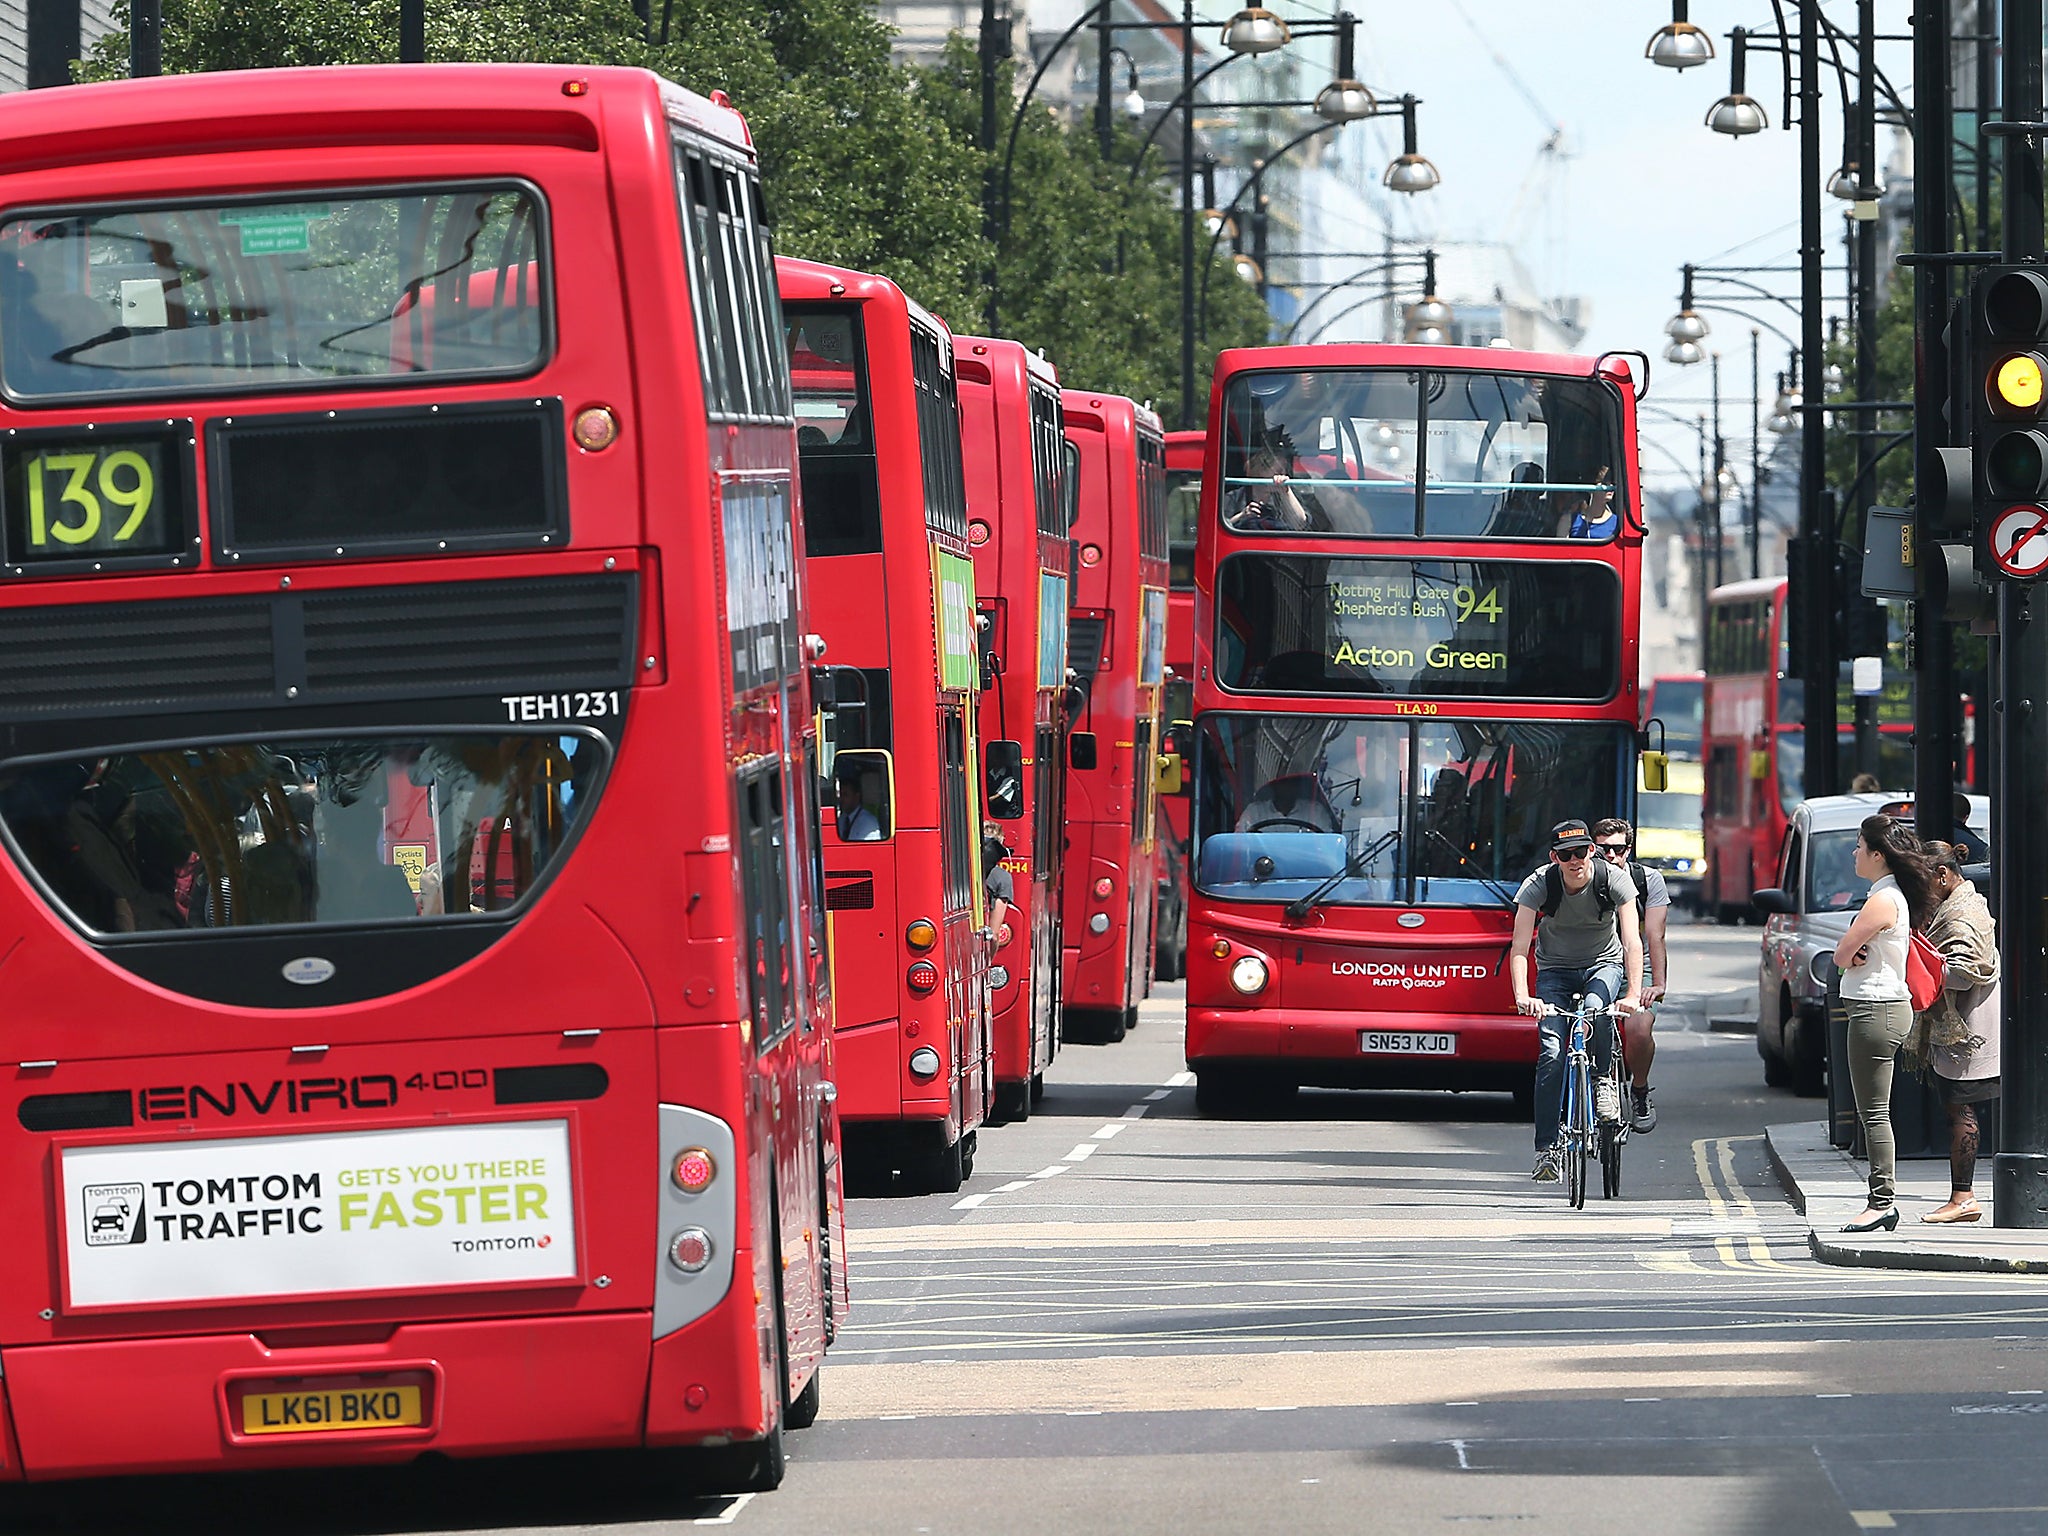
1588, 944
1614, 840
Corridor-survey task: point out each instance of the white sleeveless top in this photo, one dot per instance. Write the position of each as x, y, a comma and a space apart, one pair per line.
1882, 978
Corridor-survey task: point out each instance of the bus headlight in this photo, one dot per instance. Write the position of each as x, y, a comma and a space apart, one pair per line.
924, 1063
1249, 975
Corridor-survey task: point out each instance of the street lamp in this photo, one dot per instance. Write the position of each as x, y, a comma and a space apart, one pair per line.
1255, 30
1684, 353
1428, 323
1680, 45
1410, 173
1737, 114
1344, 100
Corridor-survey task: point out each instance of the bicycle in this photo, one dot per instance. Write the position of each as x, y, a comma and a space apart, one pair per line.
1579, 1132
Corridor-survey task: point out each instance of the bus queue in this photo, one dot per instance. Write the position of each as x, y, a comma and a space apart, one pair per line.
816, 676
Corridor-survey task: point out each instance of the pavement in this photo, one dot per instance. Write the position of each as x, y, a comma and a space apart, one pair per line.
1828, 1187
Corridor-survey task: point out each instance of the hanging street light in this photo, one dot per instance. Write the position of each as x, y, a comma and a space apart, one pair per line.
1255, 30
1344, 99
1737, 114
1427, 323
1410, 173
1683, 353
1679, 45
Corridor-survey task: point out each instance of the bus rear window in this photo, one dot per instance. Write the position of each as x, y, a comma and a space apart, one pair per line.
259, 834
325, 288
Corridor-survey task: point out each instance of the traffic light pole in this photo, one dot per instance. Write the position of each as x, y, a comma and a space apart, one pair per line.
1816, 597
2020, 854
1934, 673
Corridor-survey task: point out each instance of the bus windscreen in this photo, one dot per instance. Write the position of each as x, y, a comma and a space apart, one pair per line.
1418, 628
1453, 812
1386, 453
332, 286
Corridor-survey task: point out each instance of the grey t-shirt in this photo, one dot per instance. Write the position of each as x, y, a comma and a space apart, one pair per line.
1580, 933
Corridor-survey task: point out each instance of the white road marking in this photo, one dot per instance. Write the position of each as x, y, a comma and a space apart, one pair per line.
1012, 1187
725, 1517
1053, 1172
1108, 1131
1180, 1079
1157, 1094
1083, 1152
1137, 1112
973, 1201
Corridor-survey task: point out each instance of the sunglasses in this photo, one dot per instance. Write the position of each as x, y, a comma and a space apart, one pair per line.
1612, 850
1569, 855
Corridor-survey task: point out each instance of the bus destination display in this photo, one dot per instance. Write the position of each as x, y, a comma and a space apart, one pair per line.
101, 497
1418, 628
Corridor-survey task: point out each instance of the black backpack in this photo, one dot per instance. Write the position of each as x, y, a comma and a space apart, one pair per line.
1603, 890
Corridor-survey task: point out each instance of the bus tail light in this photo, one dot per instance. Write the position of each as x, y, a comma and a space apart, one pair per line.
1103, 887
1220, 949
924, 1063
691, 1249
695, 1225
1003, 936
922, 978
1249, 975
921, 934
596, 428
693, 1170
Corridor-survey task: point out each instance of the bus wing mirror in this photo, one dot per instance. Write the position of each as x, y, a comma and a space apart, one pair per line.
864, 792
1656, 772
1081, 750
1003, 779
1168, 776
1759, 765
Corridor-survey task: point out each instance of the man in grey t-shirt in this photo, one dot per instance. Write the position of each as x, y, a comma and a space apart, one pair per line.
1588, 943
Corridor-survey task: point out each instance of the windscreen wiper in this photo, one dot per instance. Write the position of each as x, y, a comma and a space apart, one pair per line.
1353, 864
1500, 892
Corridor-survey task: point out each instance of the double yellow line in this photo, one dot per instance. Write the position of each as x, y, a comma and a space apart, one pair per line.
1733, 1204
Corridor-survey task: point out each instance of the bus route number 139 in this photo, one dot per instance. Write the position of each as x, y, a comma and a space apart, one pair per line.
91, 501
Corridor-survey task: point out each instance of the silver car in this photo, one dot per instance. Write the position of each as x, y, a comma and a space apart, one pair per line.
1806, 914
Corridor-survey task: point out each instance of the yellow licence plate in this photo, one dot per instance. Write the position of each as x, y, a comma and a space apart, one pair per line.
327, 1409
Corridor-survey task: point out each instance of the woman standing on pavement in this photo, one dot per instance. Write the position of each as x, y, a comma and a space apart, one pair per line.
1958, 1036
1872, 957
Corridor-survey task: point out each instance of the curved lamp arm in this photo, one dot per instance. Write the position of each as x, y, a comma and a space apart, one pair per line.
1251, 183
1381, 268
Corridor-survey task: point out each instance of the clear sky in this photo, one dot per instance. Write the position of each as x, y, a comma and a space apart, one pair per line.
1647, 186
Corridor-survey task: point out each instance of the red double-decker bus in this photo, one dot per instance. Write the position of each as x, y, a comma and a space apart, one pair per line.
1015, 458
1116, 645
409, 880
1177, 703
1416, 601
892, 593
1753, 742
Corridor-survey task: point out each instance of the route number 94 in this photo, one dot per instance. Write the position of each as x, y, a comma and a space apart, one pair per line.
91, 501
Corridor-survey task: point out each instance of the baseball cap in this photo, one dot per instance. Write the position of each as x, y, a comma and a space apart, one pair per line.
1570, 834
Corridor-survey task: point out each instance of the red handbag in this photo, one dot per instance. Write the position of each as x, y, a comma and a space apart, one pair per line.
1926, 970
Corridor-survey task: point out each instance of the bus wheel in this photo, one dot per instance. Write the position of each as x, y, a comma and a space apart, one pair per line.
802, 1411
945, 1170
1037, 1088
1013, 1103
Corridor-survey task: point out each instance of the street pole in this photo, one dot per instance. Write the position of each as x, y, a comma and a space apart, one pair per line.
1756, 453
2020, 856
145, 38
1105, 126
1816, 596
1703, 577
1260, 252
1934, 677
1720, 464
412, 31
993, 46
1864, 213
1187, 214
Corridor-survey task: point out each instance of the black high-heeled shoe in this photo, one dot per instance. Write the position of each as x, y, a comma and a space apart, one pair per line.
1888, 1222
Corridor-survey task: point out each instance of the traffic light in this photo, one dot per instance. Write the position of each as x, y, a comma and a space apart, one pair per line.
1945, 480
2009, 436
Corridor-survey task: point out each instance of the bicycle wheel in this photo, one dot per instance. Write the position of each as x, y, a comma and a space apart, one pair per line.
1610, 1161
1579, 1129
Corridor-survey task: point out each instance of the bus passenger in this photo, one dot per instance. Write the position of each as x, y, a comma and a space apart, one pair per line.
1591, 515
1278, 508
1588, 945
